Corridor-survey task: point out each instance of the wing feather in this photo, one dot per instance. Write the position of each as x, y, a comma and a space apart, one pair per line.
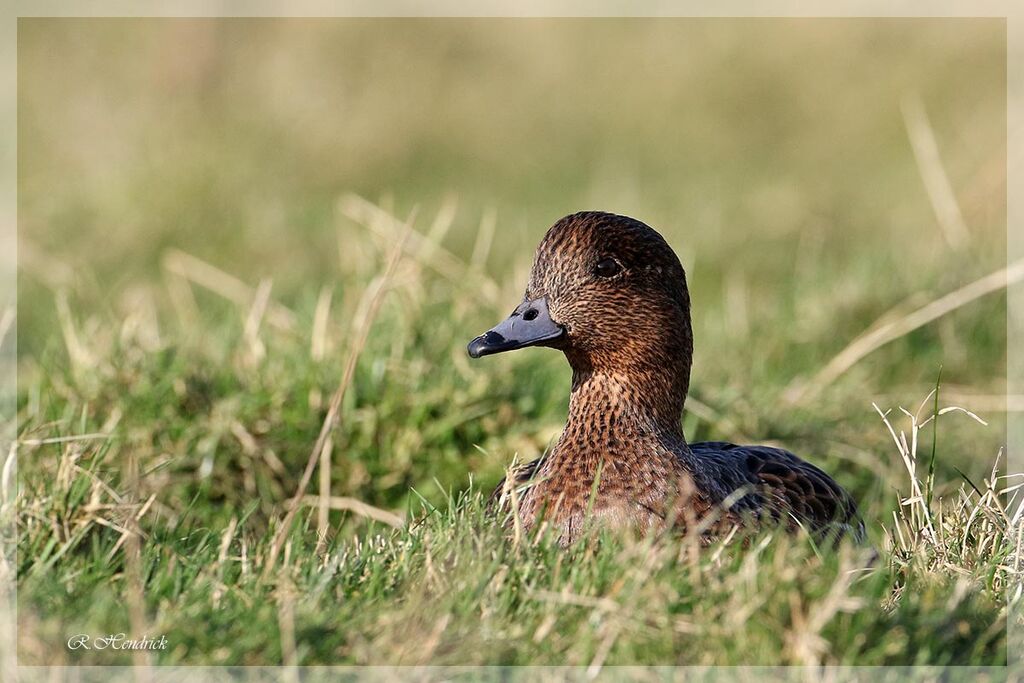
790, 485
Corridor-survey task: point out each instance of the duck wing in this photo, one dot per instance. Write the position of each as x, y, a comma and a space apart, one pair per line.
789, 485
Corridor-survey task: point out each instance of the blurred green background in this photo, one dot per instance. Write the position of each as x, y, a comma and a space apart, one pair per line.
773, 154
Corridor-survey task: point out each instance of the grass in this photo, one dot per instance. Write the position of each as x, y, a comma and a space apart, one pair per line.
449, 589
206, 507
225, 426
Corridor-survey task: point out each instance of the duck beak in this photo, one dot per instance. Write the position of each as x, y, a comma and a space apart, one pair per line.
529, 325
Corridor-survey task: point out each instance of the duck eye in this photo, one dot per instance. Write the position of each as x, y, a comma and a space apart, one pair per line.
607, 267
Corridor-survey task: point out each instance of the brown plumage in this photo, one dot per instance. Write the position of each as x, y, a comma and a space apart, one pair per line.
610, 293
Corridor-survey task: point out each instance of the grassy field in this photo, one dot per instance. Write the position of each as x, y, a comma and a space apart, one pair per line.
208, 221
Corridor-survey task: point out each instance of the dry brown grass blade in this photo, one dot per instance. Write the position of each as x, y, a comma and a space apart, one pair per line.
318, 342
195, 270
323, 511
251, 330
65, 439
141, 659
980, 400
936, 182
422, 248
355, 506
484, 239
286, 629
80, 355
880, 334
374, 296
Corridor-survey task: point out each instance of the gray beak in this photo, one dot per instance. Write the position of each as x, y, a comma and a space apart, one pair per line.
529, 325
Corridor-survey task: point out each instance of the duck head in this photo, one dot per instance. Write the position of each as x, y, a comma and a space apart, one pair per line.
610, 293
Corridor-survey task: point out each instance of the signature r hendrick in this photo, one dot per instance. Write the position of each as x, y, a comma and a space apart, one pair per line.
116, 641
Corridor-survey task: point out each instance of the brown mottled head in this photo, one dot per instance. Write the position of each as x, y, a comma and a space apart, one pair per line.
609, 291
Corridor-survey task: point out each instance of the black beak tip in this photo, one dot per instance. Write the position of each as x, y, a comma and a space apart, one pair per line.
487, 343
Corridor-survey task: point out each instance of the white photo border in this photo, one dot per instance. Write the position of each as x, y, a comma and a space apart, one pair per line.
1013, 14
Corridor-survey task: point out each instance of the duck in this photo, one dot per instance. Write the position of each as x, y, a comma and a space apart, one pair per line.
610, 293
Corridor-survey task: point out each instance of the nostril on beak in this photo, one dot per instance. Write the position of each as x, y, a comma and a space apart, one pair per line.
530, 314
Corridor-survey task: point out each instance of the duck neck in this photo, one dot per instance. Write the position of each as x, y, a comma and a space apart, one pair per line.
628, 402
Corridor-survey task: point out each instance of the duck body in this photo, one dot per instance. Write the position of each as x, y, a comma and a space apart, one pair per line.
610, 293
